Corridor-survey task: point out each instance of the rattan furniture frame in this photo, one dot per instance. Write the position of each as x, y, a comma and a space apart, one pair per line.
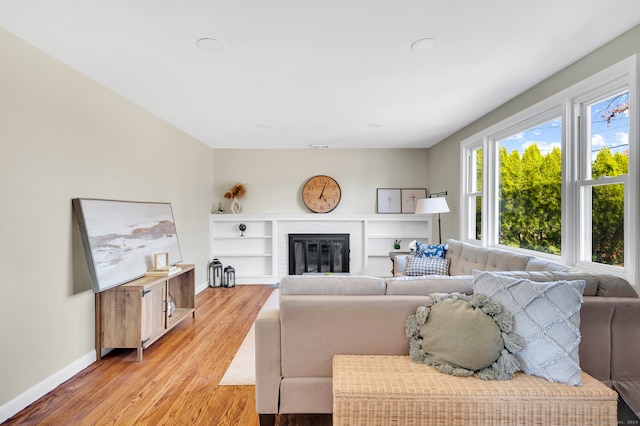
391, 390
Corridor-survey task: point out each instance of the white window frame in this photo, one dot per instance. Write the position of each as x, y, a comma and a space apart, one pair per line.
471, 191
566, 104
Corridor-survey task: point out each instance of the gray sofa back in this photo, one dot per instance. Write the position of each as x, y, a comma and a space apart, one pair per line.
465, 258
332, 284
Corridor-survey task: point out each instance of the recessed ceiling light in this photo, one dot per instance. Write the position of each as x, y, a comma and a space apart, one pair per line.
211, 44
424, 44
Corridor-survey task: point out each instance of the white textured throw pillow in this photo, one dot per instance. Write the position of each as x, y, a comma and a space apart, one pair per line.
547, 316
417, 266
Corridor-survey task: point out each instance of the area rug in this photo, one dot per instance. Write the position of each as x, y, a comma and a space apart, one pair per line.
242, 370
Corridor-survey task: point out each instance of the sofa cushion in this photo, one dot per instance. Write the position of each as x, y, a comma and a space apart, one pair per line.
426, 284
453, 254
332, 284
417, 266
547, 315
536, 264
612, 286
591, 281
466, 257
470, 258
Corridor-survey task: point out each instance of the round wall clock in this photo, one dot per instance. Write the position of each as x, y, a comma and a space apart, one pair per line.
321, 194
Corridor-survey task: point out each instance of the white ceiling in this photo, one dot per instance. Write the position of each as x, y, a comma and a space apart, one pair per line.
336, 72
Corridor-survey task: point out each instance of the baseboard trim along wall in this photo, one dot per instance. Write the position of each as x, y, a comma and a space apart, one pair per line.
38, 391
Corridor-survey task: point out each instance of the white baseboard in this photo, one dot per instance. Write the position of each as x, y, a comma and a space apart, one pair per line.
47, 385
202, 287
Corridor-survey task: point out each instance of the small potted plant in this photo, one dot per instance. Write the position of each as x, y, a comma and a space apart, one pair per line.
396, 244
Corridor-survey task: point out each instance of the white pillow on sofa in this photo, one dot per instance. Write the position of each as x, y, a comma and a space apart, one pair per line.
547, 316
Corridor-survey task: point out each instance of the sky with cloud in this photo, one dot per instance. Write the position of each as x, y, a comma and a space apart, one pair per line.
613, 135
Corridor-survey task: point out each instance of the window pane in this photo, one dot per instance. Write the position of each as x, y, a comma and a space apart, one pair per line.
530, 183
478, 217
609, 136
477, 167
607, 244
609, 148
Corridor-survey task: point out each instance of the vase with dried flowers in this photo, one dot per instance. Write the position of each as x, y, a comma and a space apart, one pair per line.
238, 190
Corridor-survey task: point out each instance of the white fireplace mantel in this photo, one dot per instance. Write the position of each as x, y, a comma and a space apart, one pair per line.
260, 253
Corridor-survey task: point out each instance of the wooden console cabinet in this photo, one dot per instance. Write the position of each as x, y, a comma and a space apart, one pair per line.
135, 314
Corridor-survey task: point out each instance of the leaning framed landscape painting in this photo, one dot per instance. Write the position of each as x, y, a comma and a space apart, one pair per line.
120, 238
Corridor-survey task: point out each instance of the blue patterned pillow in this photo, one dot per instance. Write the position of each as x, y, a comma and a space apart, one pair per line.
431, 250
417, 266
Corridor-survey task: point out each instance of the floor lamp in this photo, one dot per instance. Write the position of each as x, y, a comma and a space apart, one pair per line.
436, 203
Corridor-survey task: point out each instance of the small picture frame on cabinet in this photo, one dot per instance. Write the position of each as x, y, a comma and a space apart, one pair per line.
161, 261
389, 200
410, 197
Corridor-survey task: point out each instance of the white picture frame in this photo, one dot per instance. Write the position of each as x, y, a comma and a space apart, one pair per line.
389, 200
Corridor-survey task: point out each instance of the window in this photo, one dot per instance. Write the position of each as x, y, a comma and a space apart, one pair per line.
605, 167
559, 179
474, 193
529, 188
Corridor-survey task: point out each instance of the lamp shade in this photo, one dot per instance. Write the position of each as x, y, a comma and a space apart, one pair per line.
432, 205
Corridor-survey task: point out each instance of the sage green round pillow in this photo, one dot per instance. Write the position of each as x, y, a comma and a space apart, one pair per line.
461, 335
464, 335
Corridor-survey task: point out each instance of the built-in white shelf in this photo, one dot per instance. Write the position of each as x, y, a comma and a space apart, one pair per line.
261, 255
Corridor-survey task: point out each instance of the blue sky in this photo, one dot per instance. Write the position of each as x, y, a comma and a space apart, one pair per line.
547, 135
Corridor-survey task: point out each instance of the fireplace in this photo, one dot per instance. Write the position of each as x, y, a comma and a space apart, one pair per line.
318, 253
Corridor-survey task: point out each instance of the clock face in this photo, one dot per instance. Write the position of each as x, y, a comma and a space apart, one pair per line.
321, 194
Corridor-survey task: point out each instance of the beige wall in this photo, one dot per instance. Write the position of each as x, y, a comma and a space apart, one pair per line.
444, 158
275, 178
64, 136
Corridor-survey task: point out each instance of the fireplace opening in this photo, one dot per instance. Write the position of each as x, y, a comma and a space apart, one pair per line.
318, 253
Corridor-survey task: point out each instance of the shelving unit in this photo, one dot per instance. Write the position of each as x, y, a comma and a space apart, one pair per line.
260, 256
136, 314
383, 230
251, 254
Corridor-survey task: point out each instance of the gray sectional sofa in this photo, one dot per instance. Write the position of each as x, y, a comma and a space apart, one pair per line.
312, 318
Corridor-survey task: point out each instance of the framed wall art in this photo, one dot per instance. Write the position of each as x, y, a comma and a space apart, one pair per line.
120, 238
410, 197
389, 200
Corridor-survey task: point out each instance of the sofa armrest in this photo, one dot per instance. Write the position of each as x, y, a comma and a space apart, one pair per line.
399, 264
610, 329
625, 346
268, 372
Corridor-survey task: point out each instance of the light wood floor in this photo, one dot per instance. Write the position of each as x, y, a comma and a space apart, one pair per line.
177, 381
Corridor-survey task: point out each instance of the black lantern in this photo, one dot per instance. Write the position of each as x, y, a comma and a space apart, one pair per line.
229, 276
215, 273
